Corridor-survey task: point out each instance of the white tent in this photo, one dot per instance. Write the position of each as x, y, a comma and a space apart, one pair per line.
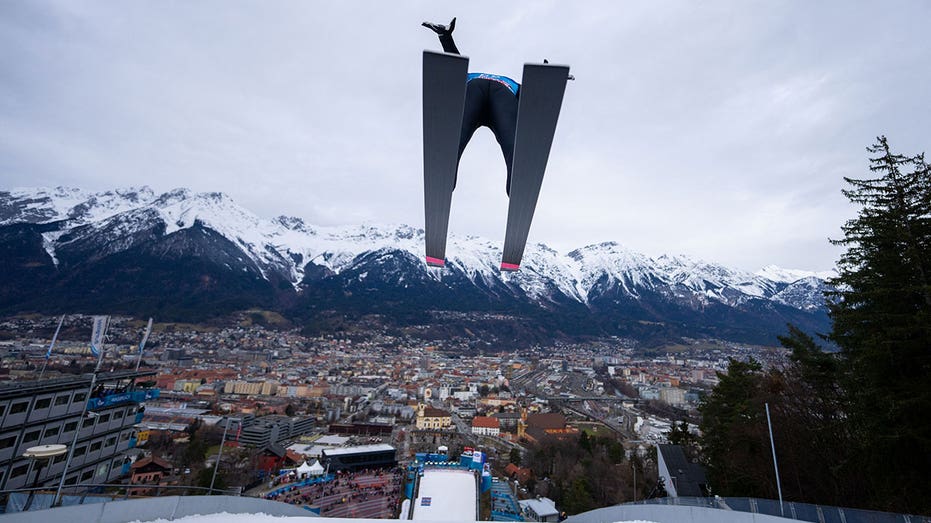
304, 470
316, 469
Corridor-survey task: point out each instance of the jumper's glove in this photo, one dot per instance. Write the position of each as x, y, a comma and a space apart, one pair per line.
441, 29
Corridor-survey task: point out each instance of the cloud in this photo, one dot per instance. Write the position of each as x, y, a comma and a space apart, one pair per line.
719, 129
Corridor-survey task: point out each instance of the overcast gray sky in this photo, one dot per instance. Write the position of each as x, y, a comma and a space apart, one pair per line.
716, 129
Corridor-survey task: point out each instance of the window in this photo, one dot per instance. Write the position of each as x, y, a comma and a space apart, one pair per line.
80, 451
80, 396
88, 422
52, 431
19, 471
7, 441
62, 400
118, 415
95, 446
110, 442
105, 418
31, 436
70, 426
87, 475
2, 412
43, 403
124, 436
19, 408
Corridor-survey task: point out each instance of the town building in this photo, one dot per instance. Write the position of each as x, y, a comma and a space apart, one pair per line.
49, 412
539, 509
485, 426
508, 421
277, 429
148, 471
358, 458
433, 418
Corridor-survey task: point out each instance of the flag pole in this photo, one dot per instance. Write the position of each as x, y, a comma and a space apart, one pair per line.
216, 466
90, 391
775, 465
145, 337
48, 353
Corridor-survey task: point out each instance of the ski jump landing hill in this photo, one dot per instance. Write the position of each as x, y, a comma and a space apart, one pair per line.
443, 490
445, 495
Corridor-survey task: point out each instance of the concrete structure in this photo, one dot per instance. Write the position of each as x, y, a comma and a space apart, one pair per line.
672, 514
274, 430
151, 509
216, 509
49, 412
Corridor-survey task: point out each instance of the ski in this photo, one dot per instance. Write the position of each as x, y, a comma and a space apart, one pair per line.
541, 95
444, 88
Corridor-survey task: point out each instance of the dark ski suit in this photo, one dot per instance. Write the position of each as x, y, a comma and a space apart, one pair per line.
491, 101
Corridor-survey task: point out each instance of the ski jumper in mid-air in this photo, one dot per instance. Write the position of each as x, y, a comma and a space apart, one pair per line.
491, 101
522, 118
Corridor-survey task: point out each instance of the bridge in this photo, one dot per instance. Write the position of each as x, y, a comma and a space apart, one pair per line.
605, 399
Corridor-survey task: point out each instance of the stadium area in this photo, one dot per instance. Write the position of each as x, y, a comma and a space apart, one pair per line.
445, 495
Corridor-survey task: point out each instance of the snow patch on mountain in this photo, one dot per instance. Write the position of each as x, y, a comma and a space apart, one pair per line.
779, 274
285, 247
43, 205
805, 294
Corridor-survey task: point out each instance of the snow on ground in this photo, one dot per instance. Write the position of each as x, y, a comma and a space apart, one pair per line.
223, 517
445, 495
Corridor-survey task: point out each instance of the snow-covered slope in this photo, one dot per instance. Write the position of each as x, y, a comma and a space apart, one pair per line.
286, 247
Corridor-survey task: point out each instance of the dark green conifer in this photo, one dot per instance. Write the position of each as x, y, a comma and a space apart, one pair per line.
881, 316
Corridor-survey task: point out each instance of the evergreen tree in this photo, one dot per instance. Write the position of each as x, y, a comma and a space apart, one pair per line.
733, 426
851, 428
514, 456
881, 316
679, 435
810, 427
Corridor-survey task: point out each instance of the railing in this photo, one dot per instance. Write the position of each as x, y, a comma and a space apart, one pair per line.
136, 396
503, 505
273, 494
28, 499
790, 510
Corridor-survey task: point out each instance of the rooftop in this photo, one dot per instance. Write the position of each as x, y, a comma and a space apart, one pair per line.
382, 447
485, 422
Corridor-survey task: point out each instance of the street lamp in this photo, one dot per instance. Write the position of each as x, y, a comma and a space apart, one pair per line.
41, 454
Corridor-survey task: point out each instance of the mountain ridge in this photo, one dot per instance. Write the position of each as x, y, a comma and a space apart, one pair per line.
80, 232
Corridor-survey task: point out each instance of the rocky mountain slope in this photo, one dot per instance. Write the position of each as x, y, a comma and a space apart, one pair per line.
184, 254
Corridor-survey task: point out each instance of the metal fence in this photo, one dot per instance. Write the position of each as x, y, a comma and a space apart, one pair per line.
41, 498
791, 510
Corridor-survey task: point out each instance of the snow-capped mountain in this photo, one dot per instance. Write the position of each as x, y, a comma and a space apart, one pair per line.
80, 240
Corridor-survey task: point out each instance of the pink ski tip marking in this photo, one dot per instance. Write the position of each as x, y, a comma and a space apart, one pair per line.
435, 262
509, 266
